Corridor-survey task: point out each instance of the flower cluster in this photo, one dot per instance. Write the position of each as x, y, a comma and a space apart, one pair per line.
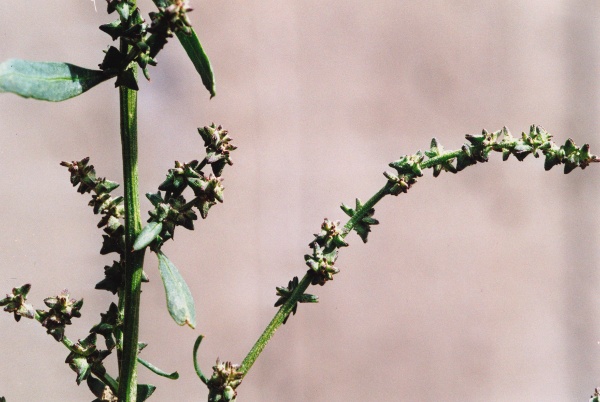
325, 251
84, 175
537, 141
85, 357
218, 147
110, 208
172, 209
62, 309
222, 384
408, 168
15, 303
171, 18
146, 40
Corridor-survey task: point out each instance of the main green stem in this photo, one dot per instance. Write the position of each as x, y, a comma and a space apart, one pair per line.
294, 298
133, 260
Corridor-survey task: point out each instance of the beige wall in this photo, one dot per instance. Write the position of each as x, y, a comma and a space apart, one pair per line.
479, 286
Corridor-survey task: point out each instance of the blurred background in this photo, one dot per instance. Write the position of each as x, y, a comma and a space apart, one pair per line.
479, 286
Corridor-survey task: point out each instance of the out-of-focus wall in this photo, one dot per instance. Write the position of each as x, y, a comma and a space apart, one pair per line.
479, 286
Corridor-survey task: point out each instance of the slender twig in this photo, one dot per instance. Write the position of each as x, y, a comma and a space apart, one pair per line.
71, 346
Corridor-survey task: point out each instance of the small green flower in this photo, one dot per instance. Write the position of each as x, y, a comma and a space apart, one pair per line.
331, 235
321, 264
85, 356
15, 303
62, 309
218, 147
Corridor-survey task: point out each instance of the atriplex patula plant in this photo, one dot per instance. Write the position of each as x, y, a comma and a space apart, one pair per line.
140, 42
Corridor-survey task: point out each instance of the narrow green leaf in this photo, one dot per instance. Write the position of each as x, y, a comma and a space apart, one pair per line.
47, 81
144, 391
147, 235
179, 298
172, 376
191, 45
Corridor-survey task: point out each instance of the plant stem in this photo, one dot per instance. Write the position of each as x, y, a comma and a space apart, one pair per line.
294, 298
275, 323
367, 206
133, 260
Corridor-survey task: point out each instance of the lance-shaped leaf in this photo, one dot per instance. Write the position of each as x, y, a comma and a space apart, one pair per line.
53, 82
191, 45
179, 298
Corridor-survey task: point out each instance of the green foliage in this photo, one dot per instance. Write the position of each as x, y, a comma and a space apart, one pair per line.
179, 298
193, 48
53, 82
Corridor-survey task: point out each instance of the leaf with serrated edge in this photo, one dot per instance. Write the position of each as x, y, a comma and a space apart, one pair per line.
47, 81
179, 298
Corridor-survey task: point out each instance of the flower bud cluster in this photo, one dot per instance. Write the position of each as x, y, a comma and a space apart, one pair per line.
15, 303
170, 18
218, 147
478, 148
85, 357
325, 252
112, 211
172, 209
62, 310
408, 168
146, 40
222, 384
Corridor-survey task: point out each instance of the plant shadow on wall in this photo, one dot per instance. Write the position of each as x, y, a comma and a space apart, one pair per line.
191, 189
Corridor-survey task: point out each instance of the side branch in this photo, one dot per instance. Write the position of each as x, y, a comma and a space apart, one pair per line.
408, 168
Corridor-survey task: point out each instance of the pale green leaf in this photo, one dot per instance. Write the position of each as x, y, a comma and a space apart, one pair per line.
47, 81
147, 235
179, 298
